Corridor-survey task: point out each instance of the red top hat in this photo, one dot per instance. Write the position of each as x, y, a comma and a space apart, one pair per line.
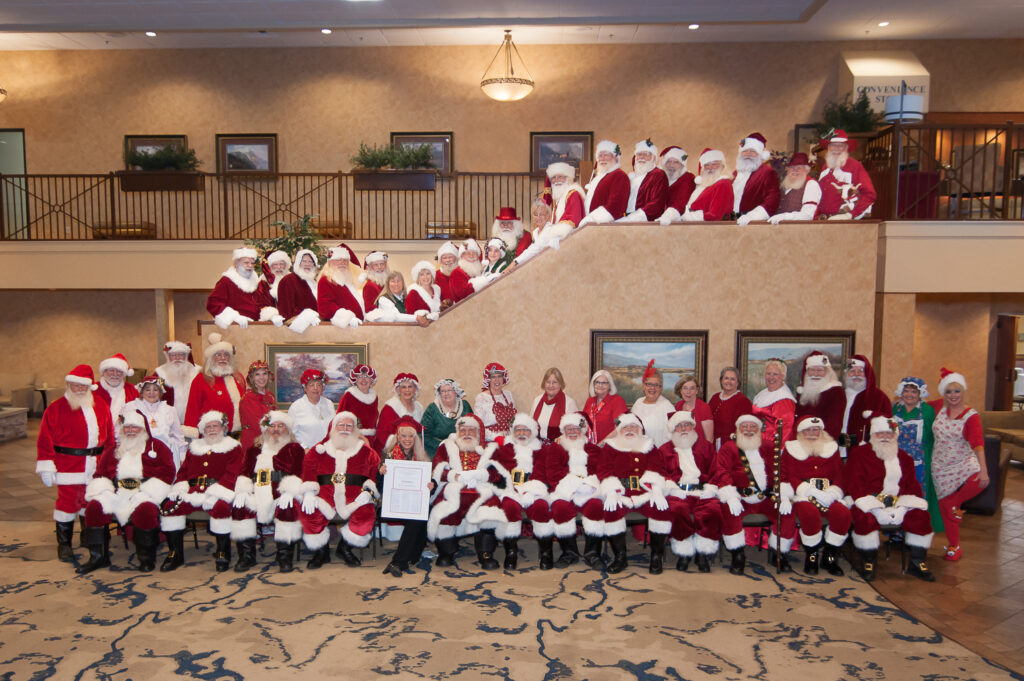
799, 159
507, 213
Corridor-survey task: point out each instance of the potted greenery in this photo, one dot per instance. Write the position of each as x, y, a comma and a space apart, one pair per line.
856, 117
170, 168
405, 167
291, 238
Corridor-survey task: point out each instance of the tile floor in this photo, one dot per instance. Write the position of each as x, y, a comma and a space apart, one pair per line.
978, 601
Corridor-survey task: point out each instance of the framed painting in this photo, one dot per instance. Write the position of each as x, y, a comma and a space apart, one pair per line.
247, 154
440, 143
805, 138
755, 348
288, 361
573, 148
625, 354
150, 144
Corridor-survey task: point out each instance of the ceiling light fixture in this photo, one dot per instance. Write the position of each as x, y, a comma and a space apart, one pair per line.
693, 27
151, 34
883, 24
326, 31
506, 78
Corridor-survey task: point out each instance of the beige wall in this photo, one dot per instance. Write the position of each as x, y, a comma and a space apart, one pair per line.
77, 105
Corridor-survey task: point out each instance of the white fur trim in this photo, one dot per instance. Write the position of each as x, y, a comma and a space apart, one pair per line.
734, 541
221, 492
288, 532
610, 485
220, 526
342, 318
596, 528
564, 169
867, 542
243, 529
911, 501
353, 539
304, 320
952, 378
172, 523
705, 545
243, 485
244, 252
599, 215
566, 529
834, 538
98, 486
116, 363
318, 540
46, 466
73, 478
614, 527
683, 547
868, 503
922, 541
245, 285
810, 539
659, 526
156, 489
509, 530
712, 155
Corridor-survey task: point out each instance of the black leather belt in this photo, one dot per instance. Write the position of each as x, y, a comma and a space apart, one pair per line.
265, 476
519, 476
202, 482
749, 491
632, 482
341, 479
71, 451
131, 483
848, 440
692, 486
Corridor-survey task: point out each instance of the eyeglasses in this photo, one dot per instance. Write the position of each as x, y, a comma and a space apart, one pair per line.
600, 382
652, 385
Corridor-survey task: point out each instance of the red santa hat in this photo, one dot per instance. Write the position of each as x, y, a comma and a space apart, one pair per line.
708, 156
419, 267
681, 417
312, 375
629, 419
650, 371
82, 375
524, 419
817, 358
119, 362
405, 376
758, 143
276, 416
673, 152
362, 370
749, 418
609, 146
470, 245
131, 417
343, 252
645, 145
561, 169
809, 422
471, 420
218, 344
838, 135
279, 256
949, 377
243, 252
883, 424
375, 256
408, 421
209, 417
447, 248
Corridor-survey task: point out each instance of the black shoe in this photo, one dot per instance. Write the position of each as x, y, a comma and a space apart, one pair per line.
175, 551
867, 565
98, 543
246, 555
620, 560
64, 533
446, 550
222, 554
917, 568
546, 558
145, 548
683, 563
570, 552
657, 553
344, 552
830, 558
592, 551
703, 565
285, 557
320, 556
393, 570
739, 561
511, 553
811, 561
781, 562
485, 543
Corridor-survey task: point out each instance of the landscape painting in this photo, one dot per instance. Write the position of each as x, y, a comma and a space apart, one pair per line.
625, 355
289, 361
755, 348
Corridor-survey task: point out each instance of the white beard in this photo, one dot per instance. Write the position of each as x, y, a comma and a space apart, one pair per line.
856, 383
343, 441
306, 275
643, 167
748, 443
221, 371
448, 269
834, 160
378, 278
815, 447
813, 387
674, 175
510, 239
272, 444
626, 443
213, 440
247, 275
793, 183
558, 191
571, 446
686, 441
177, 372
78, 401
131, 446
709, 177
605, 168
747, 165
341, 277
467, 445
473, 269
886, 451
111, 387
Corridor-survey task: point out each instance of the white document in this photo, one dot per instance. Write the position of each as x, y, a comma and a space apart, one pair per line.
406, 490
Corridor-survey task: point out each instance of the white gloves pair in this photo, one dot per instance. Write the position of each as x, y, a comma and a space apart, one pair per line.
614, 501
48, 478
889, 516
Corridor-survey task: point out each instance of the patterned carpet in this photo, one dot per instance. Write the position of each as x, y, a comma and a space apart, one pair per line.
457, 623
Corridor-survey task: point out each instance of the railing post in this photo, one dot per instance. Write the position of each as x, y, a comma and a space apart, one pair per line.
1008, 169
3, 208
225, 210
894, 184
112, 200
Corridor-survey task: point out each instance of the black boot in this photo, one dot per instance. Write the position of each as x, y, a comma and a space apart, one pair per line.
446, 550
619, 558
570, 552
703, 565
344, 552
285, 556
657, 553
592, 551
82, 537
739, 561
98, 542
811, 561
867, 564
222, 554
780, 561
683, 563
64, 533
917, 566
830, 558
546, 553
511, 553
485, 543
246, 555
320, 556
145, 548
175, 550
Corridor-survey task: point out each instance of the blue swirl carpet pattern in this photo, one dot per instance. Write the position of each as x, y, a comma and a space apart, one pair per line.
457, 623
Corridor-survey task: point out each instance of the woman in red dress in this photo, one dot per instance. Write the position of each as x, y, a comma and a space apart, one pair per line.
603, 407
728, 405
687, 388
256, 402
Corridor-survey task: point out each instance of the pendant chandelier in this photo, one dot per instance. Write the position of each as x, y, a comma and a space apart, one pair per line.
506, 78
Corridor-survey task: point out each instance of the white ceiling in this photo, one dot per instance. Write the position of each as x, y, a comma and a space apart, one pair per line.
120, 24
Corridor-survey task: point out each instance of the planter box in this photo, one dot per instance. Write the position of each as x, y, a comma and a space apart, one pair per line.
161, 181
394, 180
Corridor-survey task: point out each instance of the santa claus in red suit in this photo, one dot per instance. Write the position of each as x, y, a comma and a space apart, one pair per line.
567, 211
748, 477
607, 193
571, 465
755, 184
296, 297
276, 266
424, 296
447, 261
114, 390
467, 503
240, 295
268, 491
692, 480
846, 189
337, 299
864, 400
178, 372
373, 277
799, 194
680, 184
712, 199
218, 388
524, 465
633, 476
883, 488
812, 488
509, 228
75, 430
648, 185
204, 482
130, 484
469, 277
361, 399
821, 393
339, 478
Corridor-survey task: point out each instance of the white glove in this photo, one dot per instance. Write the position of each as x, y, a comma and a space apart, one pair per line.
48, 478
585, 221
240, 500
315, 321
693, 216
668, 217
897, 513
841, 216
277, 320
882, 516
285, 501
242, 321
823, 497
785, 506
743, 220
309, 503
612, 502
735, 505
355, 322
659, 501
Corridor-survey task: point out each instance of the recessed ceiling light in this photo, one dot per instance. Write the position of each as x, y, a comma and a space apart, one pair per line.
151, 34
883, 24
693, 27
326, 31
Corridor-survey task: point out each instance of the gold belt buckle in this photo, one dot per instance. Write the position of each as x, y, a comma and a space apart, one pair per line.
263, 477
128, 483
634, 482
887, 500
338, 479
201, 482
820, 483
518, 476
